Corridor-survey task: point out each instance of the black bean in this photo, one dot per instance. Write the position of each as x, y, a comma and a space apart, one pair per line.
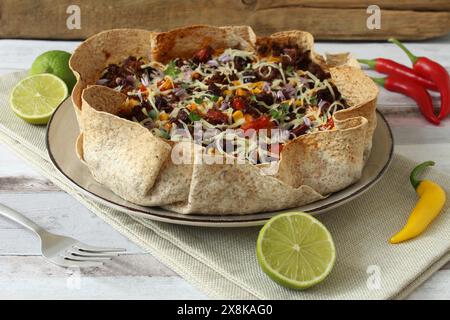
215, 90
138, 114
263, 50
267, 98
300, 130
250, 76
240, 63
267, 74
183, 116
216, 78
161, 103
179, 62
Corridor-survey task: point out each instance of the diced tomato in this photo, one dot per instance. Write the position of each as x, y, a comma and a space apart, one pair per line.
238, 103
262, 122
328, 125
142, 88
203, 54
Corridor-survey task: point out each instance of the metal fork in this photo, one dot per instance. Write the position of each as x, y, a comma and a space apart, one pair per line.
60, 250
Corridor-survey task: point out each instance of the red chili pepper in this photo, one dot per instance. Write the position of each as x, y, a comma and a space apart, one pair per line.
416, 92
433, 71
392, 68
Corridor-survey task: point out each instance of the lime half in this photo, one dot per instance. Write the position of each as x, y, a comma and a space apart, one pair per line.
295, 250
35, 97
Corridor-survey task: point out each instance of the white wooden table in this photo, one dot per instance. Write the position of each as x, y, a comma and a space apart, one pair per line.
137, 275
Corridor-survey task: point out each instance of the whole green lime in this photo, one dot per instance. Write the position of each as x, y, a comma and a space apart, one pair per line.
55, 62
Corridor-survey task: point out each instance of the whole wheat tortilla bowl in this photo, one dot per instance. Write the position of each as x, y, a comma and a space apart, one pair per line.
136, 165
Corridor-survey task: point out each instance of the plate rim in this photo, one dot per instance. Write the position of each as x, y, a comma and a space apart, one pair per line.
185, 220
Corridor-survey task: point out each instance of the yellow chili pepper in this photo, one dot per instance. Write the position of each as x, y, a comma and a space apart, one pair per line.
430, 204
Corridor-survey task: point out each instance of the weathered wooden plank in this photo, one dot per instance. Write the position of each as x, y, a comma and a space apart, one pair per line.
24, 184
430, 5
125, 277
435, 288
11, 165
143, 265
324, 22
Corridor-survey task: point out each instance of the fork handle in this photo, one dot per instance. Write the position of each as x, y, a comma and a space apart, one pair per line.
21, 219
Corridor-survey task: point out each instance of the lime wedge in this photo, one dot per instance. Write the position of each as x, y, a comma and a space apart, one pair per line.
35, 97
295, 250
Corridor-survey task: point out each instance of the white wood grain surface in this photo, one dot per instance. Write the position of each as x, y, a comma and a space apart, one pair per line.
137, 275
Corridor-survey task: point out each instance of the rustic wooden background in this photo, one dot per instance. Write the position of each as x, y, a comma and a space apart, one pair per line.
326, 19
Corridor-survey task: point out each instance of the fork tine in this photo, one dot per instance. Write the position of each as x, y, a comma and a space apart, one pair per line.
68, 263
74, 257
89, 248
82, 253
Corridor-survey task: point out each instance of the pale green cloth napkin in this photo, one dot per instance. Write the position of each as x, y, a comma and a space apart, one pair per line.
222, 262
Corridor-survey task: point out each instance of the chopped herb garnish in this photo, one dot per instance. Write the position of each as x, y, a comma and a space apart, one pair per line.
172, 70
194, 116
198, 100
274, 113
214, 98
285, 107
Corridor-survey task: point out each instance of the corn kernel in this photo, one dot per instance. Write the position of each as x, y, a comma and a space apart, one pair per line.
256, 90
274, 59
237, 115
228, 92
241, 92
163, 116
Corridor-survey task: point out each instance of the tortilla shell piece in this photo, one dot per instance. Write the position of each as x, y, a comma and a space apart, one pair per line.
185, 42
125, 156
93, 55
239, 189
138, 166
361, 94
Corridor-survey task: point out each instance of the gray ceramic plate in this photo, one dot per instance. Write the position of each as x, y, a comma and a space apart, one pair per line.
62, 132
